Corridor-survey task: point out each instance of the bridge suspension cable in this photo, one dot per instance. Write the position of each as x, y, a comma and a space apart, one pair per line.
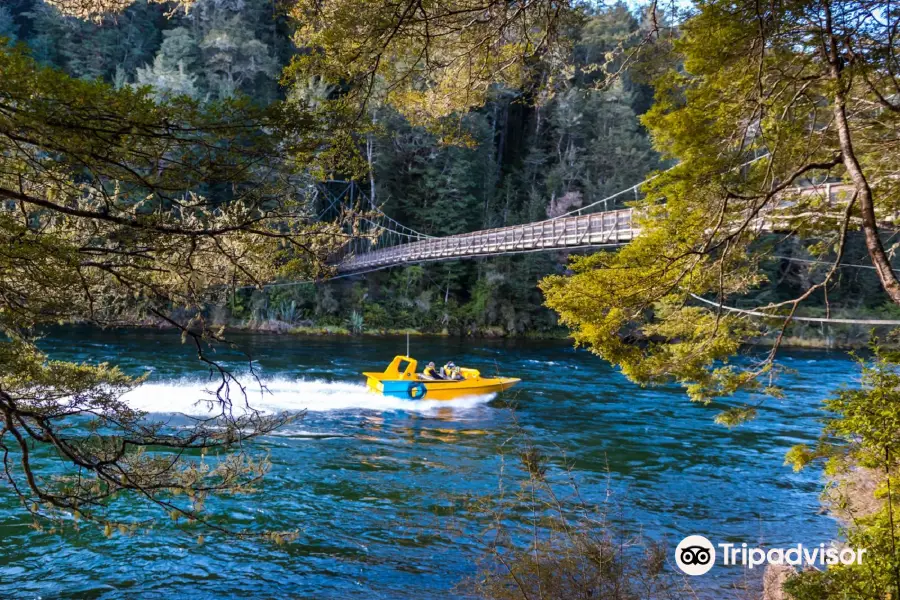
765, 315
635, 190
582, 227
374, 237
352, 198
366, 225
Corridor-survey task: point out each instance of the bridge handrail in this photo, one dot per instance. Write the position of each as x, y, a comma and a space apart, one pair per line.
628, 210
534, 236
635, 187
600, 229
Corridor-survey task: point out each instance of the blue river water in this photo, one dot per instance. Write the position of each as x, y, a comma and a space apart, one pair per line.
378, 487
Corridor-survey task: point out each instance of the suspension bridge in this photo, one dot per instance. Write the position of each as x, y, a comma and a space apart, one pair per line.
611, 228
380, 242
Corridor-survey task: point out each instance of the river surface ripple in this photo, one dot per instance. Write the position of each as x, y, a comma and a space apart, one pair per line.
378, 488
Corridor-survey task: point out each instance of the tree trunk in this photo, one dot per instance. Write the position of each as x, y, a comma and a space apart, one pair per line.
874, 245
863, 191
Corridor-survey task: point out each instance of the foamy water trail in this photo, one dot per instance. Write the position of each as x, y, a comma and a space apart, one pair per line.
282, 394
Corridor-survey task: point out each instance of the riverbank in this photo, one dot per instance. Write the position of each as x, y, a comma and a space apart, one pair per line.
489, 333
350, 329
833, 337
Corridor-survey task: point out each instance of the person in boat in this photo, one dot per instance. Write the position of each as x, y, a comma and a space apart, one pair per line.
430, 372
451, 371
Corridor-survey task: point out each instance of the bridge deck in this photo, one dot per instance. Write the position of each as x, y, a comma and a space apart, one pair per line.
610, 228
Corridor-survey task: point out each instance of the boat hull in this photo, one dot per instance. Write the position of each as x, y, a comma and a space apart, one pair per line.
400, 380
440, 390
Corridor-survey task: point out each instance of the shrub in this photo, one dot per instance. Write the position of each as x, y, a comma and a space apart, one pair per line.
356, 322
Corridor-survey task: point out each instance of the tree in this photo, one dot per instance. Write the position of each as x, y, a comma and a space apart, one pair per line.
88, 51
115, 207
234, 60
758, 99
173, 69
860, 435
432, 61
167, 81
805, 87
8, 28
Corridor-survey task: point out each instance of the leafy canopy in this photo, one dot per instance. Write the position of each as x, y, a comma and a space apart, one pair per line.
757, 100
860, 440
116, 207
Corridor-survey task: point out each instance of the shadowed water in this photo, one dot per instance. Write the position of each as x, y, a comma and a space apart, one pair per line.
379, 488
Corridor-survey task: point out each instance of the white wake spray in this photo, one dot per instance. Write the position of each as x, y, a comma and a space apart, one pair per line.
191, 397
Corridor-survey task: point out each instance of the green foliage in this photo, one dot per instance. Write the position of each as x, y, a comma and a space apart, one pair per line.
734, 88
736, 415
88, 51
116, 207
356, 322
862, 430
614, 300
287, 311
8, 28
377, 317
216, 51
24, 371
173, 71
429, 62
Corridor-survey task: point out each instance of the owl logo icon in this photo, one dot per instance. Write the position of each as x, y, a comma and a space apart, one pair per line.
695, 555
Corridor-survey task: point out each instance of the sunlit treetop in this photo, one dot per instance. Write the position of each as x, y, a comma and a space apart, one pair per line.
428, 59
97, 10
808, 88
439, 58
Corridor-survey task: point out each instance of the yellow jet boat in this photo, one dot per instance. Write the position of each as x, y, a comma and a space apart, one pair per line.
401, 381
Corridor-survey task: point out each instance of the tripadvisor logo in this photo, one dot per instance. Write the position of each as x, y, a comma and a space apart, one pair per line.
696, 555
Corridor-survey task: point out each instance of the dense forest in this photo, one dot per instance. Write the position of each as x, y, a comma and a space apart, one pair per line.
523, 159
